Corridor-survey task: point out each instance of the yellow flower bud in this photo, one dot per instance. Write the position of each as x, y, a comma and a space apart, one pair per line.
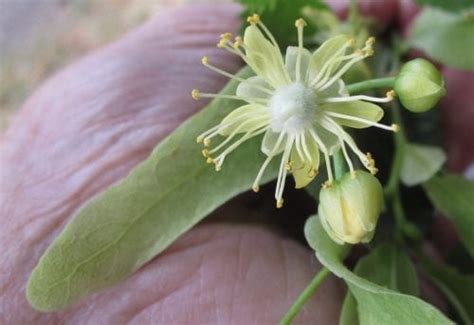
419, 85
350, 207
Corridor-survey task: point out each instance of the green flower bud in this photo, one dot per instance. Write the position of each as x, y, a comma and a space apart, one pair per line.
350, 207
419, 85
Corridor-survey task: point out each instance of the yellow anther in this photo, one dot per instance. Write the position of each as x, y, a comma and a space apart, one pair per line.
371, 164
205, 153
205, 60
256, 188
391, 94
300, 23
395, 127
289, 165
227, 36
254, 19
327, 184
196, 94
279, 203
209, 160
368, 52
238, 42
353, 174
312, 173
199, 139
370, 41
207, 142
351, 42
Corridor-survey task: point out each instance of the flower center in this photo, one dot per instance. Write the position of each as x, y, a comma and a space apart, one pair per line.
292, 108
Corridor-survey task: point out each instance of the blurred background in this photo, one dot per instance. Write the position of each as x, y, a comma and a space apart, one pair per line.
38, 37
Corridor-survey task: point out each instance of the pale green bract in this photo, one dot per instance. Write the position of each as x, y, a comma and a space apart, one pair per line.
420, 163
376, 305
136, 219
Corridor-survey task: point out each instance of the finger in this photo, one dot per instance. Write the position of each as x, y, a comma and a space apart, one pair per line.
89, 125
226, 274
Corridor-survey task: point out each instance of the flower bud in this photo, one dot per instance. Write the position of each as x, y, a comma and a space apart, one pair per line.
350, 207
419, 85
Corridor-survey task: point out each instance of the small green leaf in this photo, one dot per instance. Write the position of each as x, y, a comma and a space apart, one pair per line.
449, 5
389, 267
131, 222
420, 163
447, 37
280, 16
349, 314
457, 287
454, 196
376, 304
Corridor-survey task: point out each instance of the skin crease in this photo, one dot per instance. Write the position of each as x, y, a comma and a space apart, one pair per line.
96, 120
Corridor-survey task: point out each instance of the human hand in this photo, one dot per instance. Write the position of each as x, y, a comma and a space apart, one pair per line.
85, 129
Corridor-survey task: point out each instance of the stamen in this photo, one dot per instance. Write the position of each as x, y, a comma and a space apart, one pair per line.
346, 157
326, 154
279, 203
333, 60
237, 130
341, 71
371, 164
393, 127
225, 38
220, 159
283, 171
254, 19
388, 98
268, 160
205, 62
300, 23
196, 94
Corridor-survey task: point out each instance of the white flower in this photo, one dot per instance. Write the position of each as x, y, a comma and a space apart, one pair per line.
299, 103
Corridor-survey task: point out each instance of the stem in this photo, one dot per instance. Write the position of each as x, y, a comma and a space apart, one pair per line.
304, 296
400, 141
360, 87
340, 167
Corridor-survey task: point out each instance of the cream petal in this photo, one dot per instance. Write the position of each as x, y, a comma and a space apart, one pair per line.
330, 141
269, 143
264, 58
337, 89
324, 53
291, 58
357, 109
251, 88
304, 170
243, 119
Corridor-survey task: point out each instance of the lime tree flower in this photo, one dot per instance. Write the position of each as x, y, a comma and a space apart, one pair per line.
298, 102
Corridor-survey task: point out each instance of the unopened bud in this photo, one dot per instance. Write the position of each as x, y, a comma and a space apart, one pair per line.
350, 208
419, 85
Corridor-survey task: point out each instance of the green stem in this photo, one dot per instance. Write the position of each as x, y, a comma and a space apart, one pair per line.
304, 296
360, 87
400, 141
340, 166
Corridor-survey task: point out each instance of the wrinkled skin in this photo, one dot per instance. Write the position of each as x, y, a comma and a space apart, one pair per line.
86, 127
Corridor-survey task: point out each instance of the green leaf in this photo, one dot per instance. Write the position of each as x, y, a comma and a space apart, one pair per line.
449, 5
389, 267
280, 16
454, 196
376, 304
131, 222
447, 37
457, 287
420, 163
349, 314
